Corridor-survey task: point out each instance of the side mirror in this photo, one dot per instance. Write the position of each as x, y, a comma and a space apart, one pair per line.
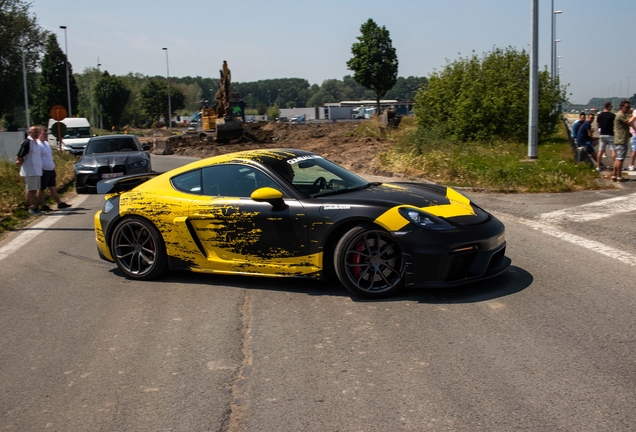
271, 195
146, 147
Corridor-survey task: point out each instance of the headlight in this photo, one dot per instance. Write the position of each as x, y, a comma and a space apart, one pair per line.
80, 167
424, 220
139, 164
108, 206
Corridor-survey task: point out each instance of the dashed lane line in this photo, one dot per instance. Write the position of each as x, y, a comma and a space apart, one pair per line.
558, 232
593, 211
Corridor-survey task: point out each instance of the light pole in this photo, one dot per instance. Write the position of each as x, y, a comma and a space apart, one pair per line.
169, 100
278, 99
26, 92
101, 118
553, 46
68, 86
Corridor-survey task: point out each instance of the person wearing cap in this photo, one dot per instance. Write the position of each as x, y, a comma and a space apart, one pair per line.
621, 138
48, 174
605, 122
29, 160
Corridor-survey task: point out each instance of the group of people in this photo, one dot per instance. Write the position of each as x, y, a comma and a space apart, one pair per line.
614, 135
35, 159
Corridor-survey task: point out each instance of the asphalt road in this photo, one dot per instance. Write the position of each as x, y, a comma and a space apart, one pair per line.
547, 346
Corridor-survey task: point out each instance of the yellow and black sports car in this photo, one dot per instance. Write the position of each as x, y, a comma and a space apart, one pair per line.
288, 213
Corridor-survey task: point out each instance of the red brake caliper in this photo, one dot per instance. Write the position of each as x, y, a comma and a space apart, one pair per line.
357, 258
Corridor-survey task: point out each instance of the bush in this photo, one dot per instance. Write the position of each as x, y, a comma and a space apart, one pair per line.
485, 98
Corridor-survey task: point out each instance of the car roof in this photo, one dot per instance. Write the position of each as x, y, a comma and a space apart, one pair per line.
265, 156
109, 137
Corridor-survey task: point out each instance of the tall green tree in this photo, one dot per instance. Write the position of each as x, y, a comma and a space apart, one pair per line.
112, 96
374, 63
154, 98
19, 33
52, 89
485, 97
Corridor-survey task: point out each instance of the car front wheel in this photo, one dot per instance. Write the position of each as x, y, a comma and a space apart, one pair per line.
369, 262
138, 249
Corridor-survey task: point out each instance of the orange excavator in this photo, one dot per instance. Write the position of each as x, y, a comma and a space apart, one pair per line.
225, 118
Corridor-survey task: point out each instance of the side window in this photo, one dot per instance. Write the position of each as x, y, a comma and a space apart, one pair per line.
235, 180
189, 182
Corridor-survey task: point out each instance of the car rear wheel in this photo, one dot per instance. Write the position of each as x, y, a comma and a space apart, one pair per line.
369, 262
138, 249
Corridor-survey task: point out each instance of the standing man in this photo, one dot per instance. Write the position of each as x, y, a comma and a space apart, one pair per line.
577, 124
632, 129
48, 173
30, 162
621, 130
605, 122
585, 137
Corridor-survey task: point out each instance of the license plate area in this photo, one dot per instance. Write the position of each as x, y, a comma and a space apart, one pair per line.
111, 175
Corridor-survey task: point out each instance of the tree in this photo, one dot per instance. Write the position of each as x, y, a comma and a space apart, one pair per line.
112, 96
52, 89
19, 33
374, 63
154, 98
480, 98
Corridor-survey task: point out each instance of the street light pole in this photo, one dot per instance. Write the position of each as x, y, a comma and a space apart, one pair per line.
554, 14
26, 93
169, 99
533, 103
68, 86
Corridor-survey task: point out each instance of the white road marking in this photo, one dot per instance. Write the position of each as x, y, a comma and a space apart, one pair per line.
557, 232
595, 210
31, 232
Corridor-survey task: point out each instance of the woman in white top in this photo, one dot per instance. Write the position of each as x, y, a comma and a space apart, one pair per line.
48, 173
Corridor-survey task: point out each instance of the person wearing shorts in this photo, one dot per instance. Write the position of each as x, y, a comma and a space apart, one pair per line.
632, 129
48, 174
621, 134
29, 160
605, 123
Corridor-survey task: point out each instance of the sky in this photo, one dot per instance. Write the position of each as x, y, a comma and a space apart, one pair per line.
268, 39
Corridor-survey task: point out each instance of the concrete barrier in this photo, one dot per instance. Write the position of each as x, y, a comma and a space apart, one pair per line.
10, 143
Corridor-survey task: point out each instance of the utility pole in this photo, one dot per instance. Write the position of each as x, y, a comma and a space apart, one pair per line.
533, 116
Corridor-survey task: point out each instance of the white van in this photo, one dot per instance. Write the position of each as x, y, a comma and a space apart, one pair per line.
74, 139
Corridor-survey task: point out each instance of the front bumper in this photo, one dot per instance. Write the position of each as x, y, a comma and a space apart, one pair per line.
448, 259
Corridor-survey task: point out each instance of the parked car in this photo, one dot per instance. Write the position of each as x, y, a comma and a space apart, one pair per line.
110, 156
298, 119
292, 213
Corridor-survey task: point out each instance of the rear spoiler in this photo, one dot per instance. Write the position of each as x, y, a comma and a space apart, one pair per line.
124, 183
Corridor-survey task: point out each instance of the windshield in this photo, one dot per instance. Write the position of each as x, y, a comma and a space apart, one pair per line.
78, 132
111, 145
314, 176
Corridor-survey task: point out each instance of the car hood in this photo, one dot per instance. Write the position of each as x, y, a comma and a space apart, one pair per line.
103, 159
437, 200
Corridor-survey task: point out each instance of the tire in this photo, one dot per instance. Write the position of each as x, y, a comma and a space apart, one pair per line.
138, 249
369, 262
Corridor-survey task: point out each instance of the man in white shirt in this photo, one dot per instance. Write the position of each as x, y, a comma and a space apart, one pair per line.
48, 173
30, 162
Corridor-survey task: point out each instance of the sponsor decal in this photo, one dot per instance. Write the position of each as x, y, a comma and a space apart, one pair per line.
302, 158
336, 207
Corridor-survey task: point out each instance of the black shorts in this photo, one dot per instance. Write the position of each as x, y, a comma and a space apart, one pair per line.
47, 179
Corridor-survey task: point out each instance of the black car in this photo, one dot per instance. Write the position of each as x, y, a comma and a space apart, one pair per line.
291, 213
110, 156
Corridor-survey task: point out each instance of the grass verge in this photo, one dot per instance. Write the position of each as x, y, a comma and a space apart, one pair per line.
496, 166
12, 192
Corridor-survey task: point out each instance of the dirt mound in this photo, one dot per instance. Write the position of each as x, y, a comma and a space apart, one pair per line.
335, 141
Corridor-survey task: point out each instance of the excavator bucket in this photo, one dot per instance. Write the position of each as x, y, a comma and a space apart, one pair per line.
228, 129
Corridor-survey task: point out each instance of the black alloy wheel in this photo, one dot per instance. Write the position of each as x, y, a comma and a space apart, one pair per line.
138, 249
369, 262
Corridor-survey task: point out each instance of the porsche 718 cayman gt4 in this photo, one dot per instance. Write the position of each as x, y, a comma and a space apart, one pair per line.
287, 212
